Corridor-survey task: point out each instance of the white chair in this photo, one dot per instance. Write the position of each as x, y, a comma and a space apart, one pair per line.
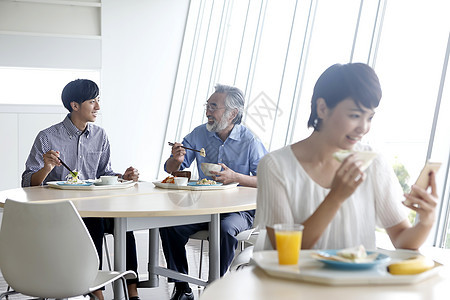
261, 243
47, 252
203, 235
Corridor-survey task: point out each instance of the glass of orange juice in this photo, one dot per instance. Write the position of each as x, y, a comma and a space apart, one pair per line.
288, 240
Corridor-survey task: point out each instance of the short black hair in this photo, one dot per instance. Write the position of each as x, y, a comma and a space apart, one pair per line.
79, 91
356, 81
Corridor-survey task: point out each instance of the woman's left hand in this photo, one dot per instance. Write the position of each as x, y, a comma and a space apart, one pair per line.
424, 203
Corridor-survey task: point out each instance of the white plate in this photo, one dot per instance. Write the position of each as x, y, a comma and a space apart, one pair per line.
194, 183
312, 270
120, 185
194, 187
99, 183
64, 183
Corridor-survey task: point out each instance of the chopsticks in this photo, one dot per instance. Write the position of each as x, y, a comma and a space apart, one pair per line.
171, 144
202, 151
72, 172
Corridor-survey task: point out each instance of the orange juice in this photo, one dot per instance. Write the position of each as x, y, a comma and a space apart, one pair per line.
288, 246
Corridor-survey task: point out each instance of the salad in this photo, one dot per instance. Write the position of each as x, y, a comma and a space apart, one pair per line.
205, 181
74, 178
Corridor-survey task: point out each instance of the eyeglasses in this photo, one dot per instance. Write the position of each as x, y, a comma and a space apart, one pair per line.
212, 107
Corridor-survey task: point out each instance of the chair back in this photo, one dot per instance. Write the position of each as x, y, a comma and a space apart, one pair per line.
46, 250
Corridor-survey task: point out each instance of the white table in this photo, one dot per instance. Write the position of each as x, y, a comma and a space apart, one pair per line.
253, 283
146, 207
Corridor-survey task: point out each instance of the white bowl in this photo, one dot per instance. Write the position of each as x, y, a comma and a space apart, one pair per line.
109, 179
207, 168
180, 181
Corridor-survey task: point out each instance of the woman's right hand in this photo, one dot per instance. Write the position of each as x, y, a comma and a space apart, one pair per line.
347, 178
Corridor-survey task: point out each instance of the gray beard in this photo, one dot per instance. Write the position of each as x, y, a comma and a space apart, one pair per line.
218, 126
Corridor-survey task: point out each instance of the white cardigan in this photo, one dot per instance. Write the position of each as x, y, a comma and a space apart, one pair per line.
286, 194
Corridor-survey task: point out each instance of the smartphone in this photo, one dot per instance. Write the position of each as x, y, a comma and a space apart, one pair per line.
423, 179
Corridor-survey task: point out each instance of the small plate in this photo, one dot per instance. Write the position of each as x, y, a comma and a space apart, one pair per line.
74, 184
194, 183
381, 258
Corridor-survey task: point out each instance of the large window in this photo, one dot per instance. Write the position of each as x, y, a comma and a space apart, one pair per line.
410, 62
275, 50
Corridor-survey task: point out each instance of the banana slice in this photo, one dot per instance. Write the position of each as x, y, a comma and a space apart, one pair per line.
365, 156
414, 265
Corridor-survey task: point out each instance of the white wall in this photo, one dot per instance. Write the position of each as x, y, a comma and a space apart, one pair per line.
49, 51
140, 45
57, 34
19, 126
141, 42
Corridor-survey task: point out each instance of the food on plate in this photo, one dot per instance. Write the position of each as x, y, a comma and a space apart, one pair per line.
202, 152
353, 253
414, 265
205, 181
74, 178
348, 255
168, 179
365, 156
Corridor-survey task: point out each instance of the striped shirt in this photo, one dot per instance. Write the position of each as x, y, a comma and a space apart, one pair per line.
87, 152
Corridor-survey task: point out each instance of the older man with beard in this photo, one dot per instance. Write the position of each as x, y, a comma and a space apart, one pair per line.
238, 151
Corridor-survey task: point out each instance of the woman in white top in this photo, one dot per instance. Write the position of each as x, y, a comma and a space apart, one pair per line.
340, 204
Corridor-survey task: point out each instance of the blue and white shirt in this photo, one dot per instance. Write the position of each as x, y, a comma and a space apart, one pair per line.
241, 151
88, 152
